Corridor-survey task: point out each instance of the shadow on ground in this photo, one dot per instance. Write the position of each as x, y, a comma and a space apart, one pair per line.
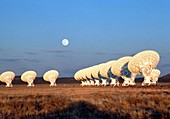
80, 110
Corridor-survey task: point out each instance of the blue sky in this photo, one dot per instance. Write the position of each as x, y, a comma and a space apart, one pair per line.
31, 32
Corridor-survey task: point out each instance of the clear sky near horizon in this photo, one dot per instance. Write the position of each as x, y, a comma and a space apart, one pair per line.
31, 32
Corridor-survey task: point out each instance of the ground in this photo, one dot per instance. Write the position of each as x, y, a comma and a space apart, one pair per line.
76, 102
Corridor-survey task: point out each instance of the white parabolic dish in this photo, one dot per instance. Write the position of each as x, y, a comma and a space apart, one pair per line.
143, 58
83, 73
105, 69
28, 76
7, 76
51, 75
117, 67
88, 73
76, 75
96, 69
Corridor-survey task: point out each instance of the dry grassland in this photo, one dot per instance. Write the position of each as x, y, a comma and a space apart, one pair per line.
72, 101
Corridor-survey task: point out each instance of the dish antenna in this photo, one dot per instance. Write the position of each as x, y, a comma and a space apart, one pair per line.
145, 63
95, 74
121, 69
106, 73
7, 77
51, 76
78, 76
84, 77
29, 77
89, 76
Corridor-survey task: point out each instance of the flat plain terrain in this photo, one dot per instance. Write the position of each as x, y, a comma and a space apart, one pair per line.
72, 101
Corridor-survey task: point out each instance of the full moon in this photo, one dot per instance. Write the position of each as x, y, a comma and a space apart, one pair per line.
65, 42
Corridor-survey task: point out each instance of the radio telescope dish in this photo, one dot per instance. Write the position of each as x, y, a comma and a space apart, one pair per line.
7, 77
89, 76
29, 77
81, 75
144, 58
51, 76
118, 68
145, 63
84, 73
89, 73
105, 69
76, 75
95, 74
154, 76
88, 80
96, 69
98, 76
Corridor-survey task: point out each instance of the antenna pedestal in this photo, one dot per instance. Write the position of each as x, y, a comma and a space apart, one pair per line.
92, 82
30, 85
97, 82
103, 82
114, 82
53, 84
9, 85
